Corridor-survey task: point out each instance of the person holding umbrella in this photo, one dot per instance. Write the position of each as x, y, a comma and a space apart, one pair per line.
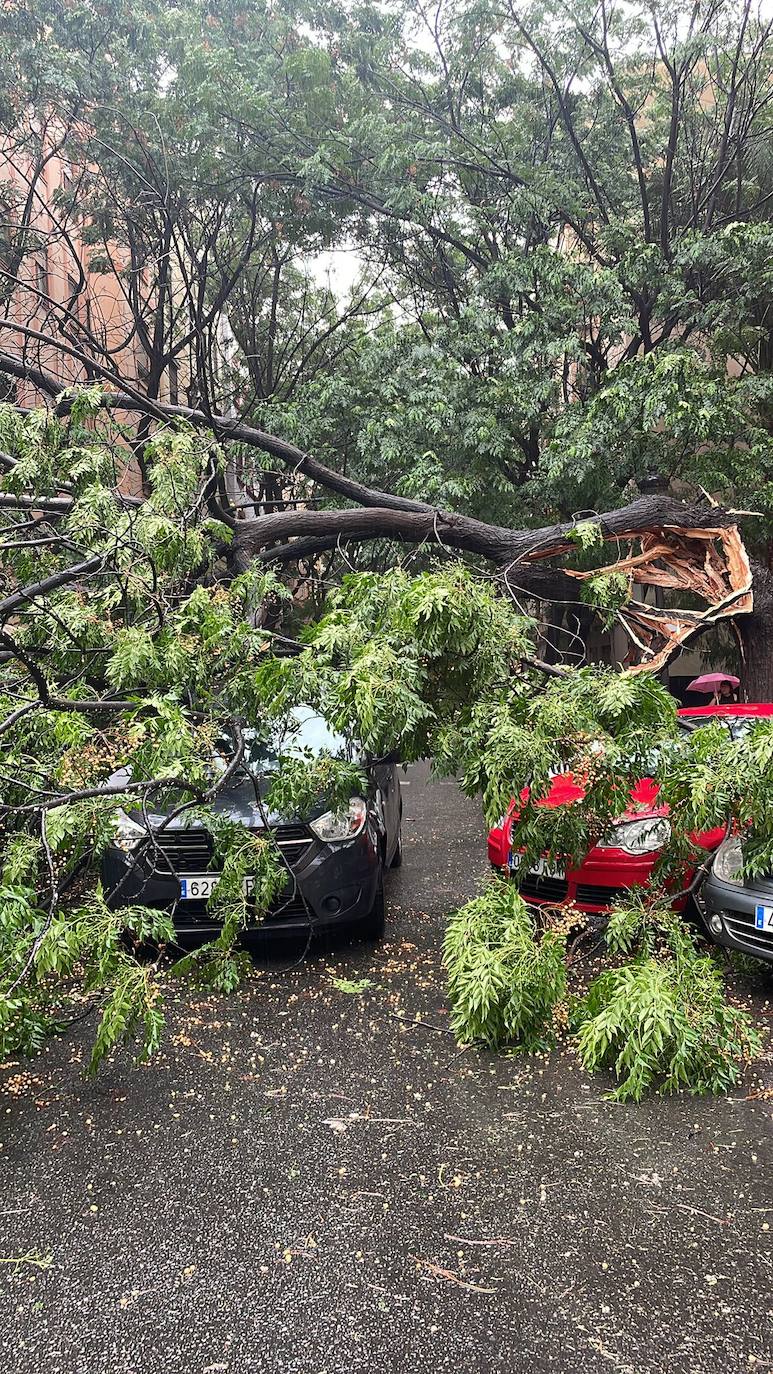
721, 687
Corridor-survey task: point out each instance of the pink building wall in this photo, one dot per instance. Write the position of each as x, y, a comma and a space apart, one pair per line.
57, 298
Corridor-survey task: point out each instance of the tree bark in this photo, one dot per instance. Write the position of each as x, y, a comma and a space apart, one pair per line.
516, 550
755, 632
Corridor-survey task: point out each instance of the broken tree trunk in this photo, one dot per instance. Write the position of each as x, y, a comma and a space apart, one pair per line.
710, 563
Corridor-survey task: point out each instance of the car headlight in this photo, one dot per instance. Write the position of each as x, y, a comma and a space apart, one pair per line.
728, 861
639, 837
127, 833
336, 826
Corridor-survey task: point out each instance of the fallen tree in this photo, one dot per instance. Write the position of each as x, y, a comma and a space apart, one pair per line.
131, 641
571, 273
576, 242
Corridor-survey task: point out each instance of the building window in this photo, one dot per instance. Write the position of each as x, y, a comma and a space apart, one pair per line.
174, 387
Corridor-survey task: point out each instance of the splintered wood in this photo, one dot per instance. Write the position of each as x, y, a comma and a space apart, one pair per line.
710, 563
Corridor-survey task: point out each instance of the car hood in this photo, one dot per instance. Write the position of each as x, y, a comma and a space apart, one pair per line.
567, 788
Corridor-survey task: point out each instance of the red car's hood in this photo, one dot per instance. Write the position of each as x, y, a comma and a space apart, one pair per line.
566, 788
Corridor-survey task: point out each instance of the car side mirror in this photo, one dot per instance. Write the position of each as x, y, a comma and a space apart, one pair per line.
392, 757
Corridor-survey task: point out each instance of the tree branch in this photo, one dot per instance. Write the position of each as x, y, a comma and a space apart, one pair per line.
224, 429
320, 529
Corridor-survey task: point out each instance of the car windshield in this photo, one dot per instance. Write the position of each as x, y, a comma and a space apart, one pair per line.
737, 726
303, 732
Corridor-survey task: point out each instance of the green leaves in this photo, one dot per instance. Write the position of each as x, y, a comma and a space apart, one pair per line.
43, 952
186, 656
177, 460
303, 785
607, 592
244, 854
587, 535
505, 980
132, 1004
660, 1021
353, 987
21, 857
663, 1020
133, 659
403, 662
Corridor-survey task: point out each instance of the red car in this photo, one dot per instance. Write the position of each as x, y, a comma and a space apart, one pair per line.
609, 870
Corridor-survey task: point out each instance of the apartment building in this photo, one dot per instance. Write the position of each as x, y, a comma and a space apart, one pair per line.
60, 297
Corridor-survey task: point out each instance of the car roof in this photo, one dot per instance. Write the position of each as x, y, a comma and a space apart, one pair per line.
734, 708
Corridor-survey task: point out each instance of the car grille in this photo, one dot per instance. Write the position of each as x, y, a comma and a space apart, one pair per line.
540, 888
289, 907
592, 894
191, 850
544, 889
741, 925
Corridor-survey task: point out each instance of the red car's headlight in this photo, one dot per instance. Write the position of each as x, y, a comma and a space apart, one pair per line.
728, 862
639, 837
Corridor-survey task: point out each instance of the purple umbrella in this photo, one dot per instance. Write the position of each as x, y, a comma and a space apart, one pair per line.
711, 682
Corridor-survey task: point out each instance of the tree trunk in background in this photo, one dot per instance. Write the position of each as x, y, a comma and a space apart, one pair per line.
756, 635
557, 633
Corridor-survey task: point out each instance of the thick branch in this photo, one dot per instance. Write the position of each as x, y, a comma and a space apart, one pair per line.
327, 527
317, 530
49, 584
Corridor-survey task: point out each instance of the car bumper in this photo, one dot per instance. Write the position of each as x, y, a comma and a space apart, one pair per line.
593, 888
728, 915
332, 886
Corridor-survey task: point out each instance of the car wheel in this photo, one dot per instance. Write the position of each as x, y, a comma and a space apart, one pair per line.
372, 926
397, 857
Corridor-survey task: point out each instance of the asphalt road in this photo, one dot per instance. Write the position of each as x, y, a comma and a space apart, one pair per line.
315, 1181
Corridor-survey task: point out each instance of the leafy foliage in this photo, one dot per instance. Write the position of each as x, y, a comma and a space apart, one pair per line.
162, 660
133, 999
505, 980
664, 1017
352, 986
661, 1020
320, 782
186, 660
607, 592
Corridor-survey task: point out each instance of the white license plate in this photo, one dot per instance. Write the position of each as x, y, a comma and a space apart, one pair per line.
198, 887
763, 917
540, 866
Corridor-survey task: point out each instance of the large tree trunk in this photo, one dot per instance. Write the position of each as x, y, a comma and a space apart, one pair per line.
755, 632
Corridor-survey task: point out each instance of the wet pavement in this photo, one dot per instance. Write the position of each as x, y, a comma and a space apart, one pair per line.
313, 1178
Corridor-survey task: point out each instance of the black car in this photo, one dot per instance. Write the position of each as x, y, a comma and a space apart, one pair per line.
737, 911
335, 863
